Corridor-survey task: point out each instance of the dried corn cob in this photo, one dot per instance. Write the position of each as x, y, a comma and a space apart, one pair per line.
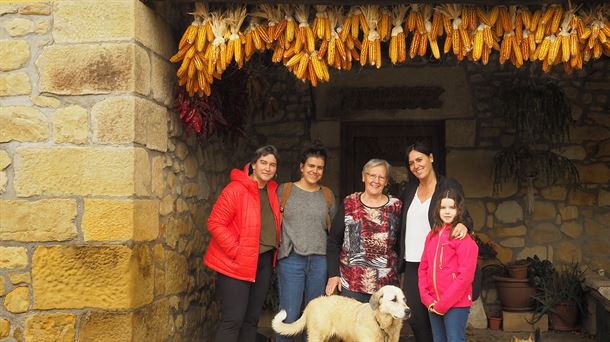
398, 52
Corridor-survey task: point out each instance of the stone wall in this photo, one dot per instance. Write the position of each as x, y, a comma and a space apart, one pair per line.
103, 198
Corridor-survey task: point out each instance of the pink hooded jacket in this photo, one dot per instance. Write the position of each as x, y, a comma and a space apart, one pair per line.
446, 270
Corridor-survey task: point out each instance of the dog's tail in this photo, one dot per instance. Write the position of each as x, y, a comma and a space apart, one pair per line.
287, 329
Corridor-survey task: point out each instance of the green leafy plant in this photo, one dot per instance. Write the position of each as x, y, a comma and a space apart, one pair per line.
540, 116
559, 287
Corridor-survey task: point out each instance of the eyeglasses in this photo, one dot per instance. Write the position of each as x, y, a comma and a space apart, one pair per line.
377, 177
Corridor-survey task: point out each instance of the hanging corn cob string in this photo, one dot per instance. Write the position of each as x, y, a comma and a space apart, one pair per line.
398, 42
484, 39
456, 35
304, 34
250, 44
431, 32
271, 33
321, 24
336, 55
414, 24
596, 35
191, 53
350, 32
371, 44
235, 18
384, 25
553, 34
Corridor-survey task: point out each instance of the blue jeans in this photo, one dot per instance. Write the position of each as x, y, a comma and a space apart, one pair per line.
300, 279
451, 327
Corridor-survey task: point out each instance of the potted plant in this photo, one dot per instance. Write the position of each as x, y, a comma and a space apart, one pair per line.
540, 116
562, 297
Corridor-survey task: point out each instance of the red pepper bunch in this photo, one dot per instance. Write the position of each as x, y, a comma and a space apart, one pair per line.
201, 114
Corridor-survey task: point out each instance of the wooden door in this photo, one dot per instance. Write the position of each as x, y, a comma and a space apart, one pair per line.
361, 141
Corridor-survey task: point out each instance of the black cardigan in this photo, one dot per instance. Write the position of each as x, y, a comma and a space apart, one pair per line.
442, 183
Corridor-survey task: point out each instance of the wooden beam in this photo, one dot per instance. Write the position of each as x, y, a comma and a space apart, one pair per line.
381, 2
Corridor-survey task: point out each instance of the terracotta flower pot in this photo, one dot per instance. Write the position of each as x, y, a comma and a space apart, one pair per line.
564, 317
518, 271
515, 294
495, 323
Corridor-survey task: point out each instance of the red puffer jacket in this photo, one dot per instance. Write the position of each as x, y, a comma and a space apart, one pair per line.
235, 225
446, 271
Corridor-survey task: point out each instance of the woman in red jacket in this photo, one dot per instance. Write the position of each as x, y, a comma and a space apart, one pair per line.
245, 229
446, 271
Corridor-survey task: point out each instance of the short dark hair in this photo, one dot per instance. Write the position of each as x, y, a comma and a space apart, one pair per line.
316, 150
419, 147
263, 151
459, 205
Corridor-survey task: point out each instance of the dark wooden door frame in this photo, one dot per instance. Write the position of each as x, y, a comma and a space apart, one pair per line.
428, 131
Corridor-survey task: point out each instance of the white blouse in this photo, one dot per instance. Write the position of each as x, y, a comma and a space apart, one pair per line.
417, 229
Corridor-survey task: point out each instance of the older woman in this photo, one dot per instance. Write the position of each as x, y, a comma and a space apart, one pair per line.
245, 229
361, 248
417, 218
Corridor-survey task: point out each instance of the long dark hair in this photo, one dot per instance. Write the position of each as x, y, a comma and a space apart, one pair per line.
316, 150
459, 205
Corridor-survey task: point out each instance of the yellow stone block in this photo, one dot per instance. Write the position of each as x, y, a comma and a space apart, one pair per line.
45, 101
18, 300
82, 171
162, 79
153, 31
36, 9
42, 220
15, 83
20, 277
129, 119
93, 21
5, 159
519, 321
70, 125
107, 220
94, 68
14, 54
176, 273
13, 257
2, 287
57, 327
22, 124
151, 323
3, 181
5, 327
106, 327
108, 277
19, 27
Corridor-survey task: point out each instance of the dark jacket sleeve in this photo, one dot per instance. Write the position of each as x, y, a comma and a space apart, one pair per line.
335, 242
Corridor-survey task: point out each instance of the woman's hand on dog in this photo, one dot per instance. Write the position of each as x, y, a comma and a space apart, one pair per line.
332, 284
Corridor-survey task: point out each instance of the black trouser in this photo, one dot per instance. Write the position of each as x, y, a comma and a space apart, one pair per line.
419, 321
242, 302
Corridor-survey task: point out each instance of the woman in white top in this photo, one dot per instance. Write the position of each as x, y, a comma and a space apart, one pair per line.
417, 217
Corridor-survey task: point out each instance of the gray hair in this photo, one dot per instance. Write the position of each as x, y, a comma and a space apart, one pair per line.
376, 162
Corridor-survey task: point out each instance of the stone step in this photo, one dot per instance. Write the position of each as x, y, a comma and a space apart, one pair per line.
519, 322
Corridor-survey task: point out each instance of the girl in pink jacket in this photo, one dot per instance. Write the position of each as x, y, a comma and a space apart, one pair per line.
446, 271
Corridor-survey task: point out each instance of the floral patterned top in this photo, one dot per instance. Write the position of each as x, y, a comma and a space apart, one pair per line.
362, 244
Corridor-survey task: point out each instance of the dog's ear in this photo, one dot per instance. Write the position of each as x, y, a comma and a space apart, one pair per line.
374, 300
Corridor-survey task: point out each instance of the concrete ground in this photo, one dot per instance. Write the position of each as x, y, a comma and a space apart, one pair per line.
472, 335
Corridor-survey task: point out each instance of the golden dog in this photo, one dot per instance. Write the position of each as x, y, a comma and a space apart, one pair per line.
336, 316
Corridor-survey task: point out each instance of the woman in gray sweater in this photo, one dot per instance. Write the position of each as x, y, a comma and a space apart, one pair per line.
307, 210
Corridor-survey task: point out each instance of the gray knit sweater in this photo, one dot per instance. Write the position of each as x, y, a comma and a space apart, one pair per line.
304, 222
